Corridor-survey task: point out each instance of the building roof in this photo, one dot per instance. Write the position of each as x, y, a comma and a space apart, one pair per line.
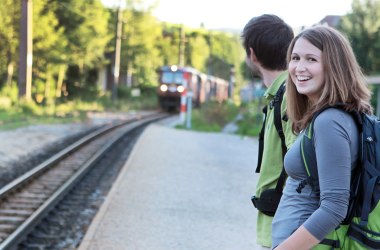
330, 20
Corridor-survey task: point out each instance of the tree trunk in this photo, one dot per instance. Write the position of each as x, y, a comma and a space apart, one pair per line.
48, 81
61, 75
10, 73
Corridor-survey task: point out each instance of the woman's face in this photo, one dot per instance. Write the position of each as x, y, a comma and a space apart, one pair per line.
306, 69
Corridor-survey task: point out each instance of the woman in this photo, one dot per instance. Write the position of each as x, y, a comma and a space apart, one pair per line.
323, 72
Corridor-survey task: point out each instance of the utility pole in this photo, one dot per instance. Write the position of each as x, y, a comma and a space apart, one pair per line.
116, 72
26, 51
231, 82
209, 60
181, 47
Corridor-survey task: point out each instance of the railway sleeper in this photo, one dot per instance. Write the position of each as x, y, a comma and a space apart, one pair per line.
6, 229
14, 212
13, 220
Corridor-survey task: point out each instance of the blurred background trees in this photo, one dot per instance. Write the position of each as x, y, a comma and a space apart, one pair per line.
362, 27
74, 48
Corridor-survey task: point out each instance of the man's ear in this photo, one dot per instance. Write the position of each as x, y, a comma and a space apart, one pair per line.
252, 55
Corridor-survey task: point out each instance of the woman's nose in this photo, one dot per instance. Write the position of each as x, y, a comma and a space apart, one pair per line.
300, 66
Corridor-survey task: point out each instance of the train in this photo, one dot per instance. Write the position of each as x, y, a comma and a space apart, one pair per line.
175, 81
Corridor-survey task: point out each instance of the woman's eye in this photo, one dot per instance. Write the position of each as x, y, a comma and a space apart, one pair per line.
294, 58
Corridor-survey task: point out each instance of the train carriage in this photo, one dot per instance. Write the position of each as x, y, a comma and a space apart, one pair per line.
177, 81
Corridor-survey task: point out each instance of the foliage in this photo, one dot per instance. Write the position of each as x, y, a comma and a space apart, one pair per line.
362, 27
85, 26
168, 45
212, 116
75, 40
147, 100
29, 108
29, 112
9, 92
251, 119
10, 13
198, 50
375, 97
139, 48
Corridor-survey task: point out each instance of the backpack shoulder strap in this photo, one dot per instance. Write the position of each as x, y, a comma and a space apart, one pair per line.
275, 104
309, 160
261, 141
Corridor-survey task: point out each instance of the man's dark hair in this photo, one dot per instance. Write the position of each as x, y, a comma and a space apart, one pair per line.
269, 37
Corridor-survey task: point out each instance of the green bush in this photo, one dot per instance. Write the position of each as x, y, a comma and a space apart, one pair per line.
251, 119
10, 93
29, 108
212, 116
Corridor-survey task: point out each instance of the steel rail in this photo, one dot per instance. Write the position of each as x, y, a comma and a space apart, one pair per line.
5, 190
27, 225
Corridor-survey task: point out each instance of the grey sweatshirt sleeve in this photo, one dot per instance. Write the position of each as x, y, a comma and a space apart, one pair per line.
336, 146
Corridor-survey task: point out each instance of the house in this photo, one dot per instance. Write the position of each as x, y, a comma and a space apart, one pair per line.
330, 20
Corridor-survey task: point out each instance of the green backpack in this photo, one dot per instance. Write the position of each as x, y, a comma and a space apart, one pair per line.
361, 227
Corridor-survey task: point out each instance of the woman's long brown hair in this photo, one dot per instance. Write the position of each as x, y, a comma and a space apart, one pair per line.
344, 80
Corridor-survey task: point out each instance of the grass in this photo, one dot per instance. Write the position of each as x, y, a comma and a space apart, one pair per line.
25, 113
13, 118
251, 122
213, 116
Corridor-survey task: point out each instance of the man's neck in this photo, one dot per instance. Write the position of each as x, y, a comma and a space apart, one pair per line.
269, 76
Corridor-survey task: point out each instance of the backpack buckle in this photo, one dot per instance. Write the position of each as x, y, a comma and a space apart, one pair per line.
273, 101
301, 185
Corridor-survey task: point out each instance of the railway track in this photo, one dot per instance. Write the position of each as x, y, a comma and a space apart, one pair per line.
28, 199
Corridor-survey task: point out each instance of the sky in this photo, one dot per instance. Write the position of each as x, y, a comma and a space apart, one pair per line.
234, 14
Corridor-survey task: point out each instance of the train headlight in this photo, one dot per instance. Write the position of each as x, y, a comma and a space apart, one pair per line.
173, 68
164, 88
180, 89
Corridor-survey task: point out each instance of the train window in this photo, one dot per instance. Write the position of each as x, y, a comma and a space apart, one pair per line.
172, 77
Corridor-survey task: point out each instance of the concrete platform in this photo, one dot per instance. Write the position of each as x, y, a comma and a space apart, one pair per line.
180, 190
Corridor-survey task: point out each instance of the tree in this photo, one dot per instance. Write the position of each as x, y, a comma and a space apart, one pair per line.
168, 44
85, 25
73, 39
49, 51
10, 13
198, 50
226, 51
140, 50
362, 27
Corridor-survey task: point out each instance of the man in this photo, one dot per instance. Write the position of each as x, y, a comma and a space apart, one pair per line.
266, 39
